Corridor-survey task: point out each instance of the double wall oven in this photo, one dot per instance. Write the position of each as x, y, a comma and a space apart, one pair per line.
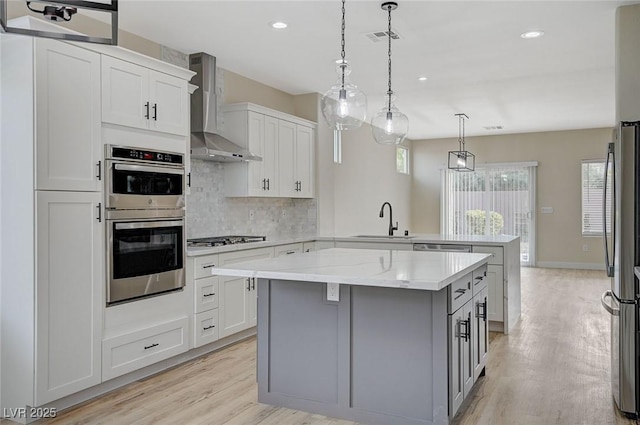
145, 223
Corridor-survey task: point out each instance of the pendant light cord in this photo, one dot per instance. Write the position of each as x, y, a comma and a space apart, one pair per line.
389, 92
342, 54
461, 131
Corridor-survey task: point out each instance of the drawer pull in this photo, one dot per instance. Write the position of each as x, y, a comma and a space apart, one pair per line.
465, 334
482, 315
209, 295
290, 252
208, 327
208, 266
461, 292
151, 346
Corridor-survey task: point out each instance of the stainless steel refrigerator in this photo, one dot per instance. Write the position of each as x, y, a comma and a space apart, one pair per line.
622, 254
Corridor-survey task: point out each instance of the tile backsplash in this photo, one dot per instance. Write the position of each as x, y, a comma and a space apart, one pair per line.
210, 213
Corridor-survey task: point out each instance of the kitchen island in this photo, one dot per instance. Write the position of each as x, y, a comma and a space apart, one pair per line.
374, 336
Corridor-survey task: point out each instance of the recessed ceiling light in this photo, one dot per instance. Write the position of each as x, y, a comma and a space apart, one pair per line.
422, 78
279, 25
532, 34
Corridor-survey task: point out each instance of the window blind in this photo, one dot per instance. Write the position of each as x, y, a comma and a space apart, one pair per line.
592, 197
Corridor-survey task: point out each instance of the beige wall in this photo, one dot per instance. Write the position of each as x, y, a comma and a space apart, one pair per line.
366, 179
559, 155
242, 89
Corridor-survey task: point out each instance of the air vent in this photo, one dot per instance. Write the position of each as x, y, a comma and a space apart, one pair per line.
378, 36
493, 127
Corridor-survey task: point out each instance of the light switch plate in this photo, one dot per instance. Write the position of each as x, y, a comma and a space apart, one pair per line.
333, 291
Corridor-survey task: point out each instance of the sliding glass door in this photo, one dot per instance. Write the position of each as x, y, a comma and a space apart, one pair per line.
494, 200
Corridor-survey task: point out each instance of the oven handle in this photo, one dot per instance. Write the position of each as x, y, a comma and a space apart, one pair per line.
147, 168
148, 224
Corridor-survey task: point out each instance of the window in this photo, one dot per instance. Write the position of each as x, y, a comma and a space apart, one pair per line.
402, 160
592, 197
496, 199
337, 146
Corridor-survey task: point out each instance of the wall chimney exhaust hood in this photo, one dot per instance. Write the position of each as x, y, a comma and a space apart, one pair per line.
206, 141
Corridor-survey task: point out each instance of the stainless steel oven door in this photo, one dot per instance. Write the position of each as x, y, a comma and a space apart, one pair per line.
146, 257
131, 185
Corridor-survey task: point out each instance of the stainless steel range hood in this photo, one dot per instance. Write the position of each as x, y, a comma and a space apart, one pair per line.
206, 141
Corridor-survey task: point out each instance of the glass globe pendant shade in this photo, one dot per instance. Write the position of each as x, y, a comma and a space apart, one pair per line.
344, 105
389, 126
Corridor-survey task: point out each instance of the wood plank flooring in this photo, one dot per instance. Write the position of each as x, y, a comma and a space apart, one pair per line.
553, 368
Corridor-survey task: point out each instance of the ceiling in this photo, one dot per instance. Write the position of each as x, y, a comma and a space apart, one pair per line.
471, 51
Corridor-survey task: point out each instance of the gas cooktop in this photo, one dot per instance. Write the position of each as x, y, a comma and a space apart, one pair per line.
224, 240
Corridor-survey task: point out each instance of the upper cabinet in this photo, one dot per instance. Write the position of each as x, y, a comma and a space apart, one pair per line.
286, 145
140, 97
67, 104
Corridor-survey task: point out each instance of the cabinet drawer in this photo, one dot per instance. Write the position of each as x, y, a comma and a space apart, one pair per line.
459, 293
206, 294
204, 264
292, 248
205, 327
495, 251
479, 279
126, 353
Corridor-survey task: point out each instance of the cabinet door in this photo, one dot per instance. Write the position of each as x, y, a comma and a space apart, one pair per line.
255, 136
286, 159
480, 332
234, 303
70, 293
467, 347
304, 162
125, 93
169, 104
68, 145
270, 155
456, 354
495, 283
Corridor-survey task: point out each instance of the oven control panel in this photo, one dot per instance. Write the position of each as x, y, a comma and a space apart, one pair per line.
145, 155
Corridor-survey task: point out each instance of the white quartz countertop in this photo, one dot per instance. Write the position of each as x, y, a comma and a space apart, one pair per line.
429, 271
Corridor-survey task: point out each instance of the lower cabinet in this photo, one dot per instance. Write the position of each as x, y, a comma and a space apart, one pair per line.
125, 353
69, 294
238, 295
495, 277
205, 329
468, 336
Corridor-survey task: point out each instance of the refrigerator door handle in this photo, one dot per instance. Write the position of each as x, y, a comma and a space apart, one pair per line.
610, 154
612, 311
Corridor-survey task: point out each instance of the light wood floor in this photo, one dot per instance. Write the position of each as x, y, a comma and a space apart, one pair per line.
553, 368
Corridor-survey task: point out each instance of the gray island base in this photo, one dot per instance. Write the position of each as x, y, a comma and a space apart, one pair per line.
399, 348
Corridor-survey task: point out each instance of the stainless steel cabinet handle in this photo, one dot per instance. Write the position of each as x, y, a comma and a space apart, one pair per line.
146, 115
208, 266
290, 252
461, 292
268, 184
209, 295
612, 311
253, 284
248, 284
465, 334
99, 165
208, 327
189, 180
155, 112
151, 346
99, 207
482, 315
264, 184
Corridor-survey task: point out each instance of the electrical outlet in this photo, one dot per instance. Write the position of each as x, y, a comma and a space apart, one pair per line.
284, 213
252, 214
333, 291
585, 248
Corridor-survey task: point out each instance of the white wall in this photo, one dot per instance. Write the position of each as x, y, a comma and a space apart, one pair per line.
366, 179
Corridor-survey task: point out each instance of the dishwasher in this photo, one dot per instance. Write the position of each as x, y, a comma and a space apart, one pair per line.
441, 247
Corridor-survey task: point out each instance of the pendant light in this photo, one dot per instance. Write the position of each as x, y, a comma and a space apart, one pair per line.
344, 106
389, 125
461, 160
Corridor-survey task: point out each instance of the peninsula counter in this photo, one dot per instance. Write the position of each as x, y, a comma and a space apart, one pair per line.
403, 343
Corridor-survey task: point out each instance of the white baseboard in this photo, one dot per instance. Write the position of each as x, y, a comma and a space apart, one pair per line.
562, 265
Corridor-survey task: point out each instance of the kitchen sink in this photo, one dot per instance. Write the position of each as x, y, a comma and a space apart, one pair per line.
384, 236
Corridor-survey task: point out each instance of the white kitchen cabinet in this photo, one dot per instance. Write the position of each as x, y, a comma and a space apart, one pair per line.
259, 134
67, 103
286, 145
288, 249
495, 279
238, 296
70, 293
136, 96
142, 347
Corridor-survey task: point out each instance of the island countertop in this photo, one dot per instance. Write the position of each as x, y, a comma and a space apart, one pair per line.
428, 271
